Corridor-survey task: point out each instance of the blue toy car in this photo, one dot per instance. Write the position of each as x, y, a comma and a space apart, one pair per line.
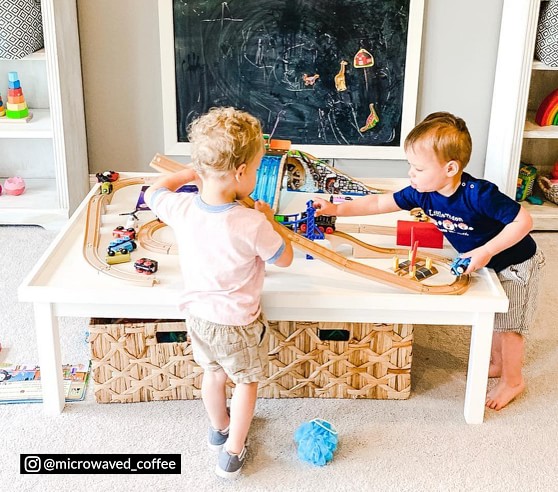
123, 245
459, 265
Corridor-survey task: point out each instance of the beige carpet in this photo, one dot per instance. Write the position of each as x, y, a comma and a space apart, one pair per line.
419, 444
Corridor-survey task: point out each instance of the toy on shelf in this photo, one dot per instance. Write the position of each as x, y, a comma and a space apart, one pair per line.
525, 181
549, 185
14, 186
16, 106
459, 265
2, 107
547, 114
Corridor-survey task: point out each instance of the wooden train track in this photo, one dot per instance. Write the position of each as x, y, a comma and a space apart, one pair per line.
147, 241
460, 285
366, 250
95, 209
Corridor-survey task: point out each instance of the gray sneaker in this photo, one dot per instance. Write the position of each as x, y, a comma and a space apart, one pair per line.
216, 438
229, 465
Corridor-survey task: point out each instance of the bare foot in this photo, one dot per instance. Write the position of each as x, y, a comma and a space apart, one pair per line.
502, 394
494, 371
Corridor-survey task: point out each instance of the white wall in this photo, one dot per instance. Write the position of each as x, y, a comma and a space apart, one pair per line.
122, 79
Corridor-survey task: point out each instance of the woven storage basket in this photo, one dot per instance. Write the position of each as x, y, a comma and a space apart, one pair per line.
549, 189
130, 365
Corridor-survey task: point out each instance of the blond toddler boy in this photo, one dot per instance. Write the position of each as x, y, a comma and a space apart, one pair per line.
223, 247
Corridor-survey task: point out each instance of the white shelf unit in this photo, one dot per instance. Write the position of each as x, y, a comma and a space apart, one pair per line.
520, 85
50, 151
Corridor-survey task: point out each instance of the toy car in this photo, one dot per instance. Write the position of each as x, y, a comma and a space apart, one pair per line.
459, 265
120, 231
106, 188
123, 245
118, 257
107, 176
146, 266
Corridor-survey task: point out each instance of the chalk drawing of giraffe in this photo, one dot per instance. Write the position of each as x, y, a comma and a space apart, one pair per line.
340, 84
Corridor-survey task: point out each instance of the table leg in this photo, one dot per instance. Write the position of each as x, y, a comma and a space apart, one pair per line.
48, 341
477, 374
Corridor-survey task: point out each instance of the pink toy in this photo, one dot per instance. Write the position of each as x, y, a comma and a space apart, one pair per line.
14, 186
555, 171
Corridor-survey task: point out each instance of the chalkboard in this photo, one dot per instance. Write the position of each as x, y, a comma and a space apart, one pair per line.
332, 76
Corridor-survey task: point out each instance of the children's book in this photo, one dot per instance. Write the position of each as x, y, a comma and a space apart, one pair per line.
21, 383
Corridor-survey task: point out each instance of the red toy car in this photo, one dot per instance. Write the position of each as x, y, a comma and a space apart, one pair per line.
146, 266
107, 176
120, 231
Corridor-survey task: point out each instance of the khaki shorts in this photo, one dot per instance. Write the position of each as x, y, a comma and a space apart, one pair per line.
241, 351
521, 283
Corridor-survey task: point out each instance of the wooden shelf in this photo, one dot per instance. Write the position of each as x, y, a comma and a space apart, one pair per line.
539, 65
38, 55
40, 126
545, 216
39, 204
532, 130
54, 141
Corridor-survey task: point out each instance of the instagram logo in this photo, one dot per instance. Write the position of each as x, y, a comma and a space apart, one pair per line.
32, 464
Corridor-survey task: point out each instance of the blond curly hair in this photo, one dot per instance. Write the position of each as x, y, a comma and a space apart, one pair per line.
448, 136
222, 139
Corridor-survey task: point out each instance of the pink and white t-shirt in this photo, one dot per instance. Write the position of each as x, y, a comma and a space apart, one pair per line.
222, 250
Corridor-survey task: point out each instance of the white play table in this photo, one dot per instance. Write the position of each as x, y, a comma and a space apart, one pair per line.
62, 283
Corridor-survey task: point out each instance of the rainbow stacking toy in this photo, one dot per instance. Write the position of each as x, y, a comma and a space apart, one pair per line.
547, 114
16, 107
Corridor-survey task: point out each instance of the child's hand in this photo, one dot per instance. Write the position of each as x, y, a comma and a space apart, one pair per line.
323, 207
479, 259
265, 209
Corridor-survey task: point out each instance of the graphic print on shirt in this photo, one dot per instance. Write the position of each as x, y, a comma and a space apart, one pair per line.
449, 223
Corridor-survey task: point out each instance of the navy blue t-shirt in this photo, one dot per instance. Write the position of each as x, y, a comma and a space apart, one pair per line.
471, 217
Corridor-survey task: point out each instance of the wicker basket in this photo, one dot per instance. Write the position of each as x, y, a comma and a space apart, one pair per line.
549, 189
131, 365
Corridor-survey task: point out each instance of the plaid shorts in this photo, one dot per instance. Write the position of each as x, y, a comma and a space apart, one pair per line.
241, 351
521, 284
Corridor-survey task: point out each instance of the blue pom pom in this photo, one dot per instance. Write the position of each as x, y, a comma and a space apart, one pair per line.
317, 440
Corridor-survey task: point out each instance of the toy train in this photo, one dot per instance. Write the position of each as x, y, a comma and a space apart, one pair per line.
122, 245
297, 222
128, 233
146, 266
459, 265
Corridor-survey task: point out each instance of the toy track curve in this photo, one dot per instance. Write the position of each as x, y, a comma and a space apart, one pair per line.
461, 284
95, 208
146, 240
